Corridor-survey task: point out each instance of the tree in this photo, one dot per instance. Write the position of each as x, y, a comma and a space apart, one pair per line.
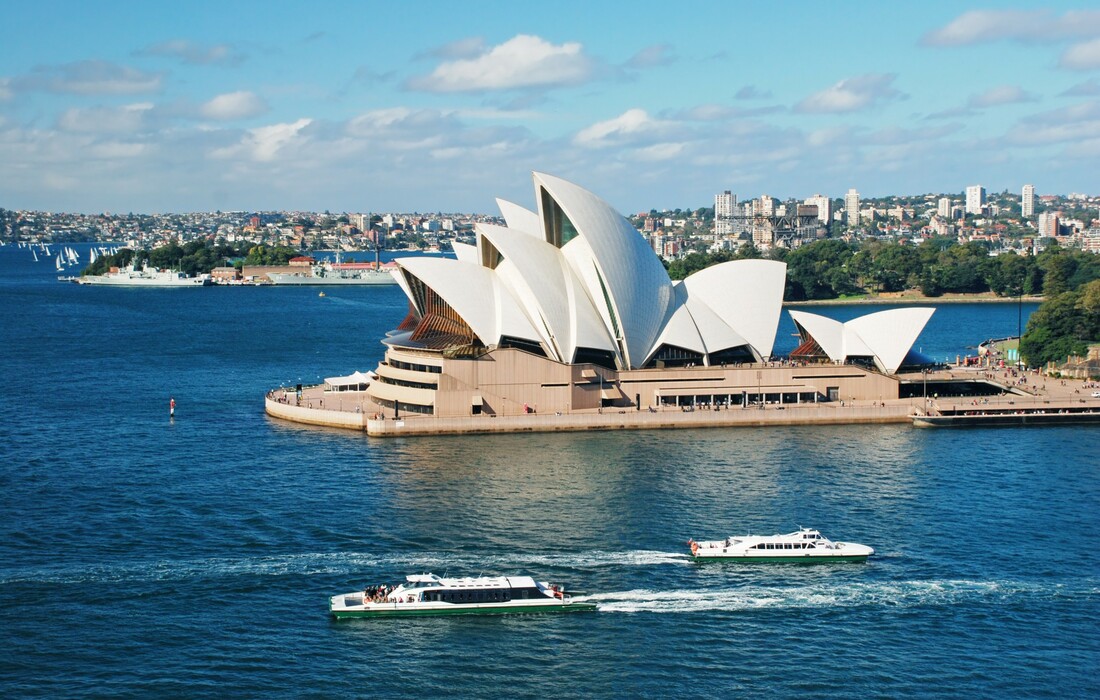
819, 270
1063, 325
1059, 268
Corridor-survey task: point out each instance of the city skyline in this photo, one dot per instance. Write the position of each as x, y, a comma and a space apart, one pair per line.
144, 108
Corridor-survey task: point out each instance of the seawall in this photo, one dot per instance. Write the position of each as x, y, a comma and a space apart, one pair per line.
609, 419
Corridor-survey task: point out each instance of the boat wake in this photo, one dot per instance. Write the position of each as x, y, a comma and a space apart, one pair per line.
902, 594
353, 564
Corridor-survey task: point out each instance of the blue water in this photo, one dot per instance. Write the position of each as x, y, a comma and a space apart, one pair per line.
145, 557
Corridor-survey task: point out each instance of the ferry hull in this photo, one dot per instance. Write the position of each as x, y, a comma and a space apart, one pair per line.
799, 559
406, 611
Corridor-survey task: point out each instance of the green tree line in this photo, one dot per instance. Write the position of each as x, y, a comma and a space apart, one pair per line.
194, 258
832, 269
1063, 325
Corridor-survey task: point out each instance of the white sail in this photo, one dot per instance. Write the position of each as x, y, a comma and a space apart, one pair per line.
60, 267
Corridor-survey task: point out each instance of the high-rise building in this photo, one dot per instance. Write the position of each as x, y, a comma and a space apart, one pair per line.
724, 204
1027, 201
725, 208
824, 207
944, 208
975, 199
1048, 224
765, 205
851, 207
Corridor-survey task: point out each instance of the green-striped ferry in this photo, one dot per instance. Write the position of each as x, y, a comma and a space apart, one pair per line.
428, 594
805, 546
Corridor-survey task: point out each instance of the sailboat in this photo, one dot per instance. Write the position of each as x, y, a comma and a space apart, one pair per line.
34, 254
60, 267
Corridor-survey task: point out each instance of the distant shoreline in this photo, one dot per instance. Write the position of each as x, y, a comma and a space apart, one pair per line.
914, 298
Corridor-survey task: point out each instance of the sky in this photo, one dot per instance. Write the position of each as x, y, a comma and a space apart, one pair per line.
154, 107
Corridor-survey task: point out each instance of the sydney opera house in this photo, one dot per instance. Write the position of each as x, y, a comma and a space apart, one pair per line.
567, 309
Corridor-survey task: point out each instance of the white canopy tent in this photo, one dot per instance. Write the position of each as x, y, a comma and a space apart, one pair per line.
357, 381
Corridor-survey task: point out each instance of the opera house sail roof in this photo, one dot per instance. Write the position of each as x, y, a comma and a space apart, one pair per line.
576, 283
883, 338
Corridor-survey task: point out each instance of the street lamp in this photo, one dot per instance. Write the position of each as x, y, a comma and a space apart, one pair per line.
924, 372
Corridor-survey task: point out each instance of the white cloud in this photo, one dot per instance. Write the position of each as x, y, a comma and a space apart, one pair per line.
652, 56
5, 89
852, 94
709, 113
99, 120
1089, 88
981, 26
1001, 95
263, 143
89, 78
718, 113
1083, 56
632, 122
828, 136
751, 92
192, 53
523, 61
403, 128
462, 48
115, 150
233, 105
1067, 124
660, 152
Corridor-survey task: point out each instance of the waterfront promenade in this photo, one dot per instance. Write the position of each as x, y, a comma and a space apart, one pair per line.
353, 410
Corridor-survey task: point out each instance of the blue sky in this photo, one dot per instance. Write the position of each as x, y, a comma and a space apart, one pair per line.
442, 106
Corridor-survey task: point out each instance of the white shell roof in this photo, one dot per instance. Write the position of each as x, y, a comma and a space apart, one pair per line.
605, 277
635, 281
827, 332
476, 294
887, 336
546, 289
692, 325
520, 218
465, 252
680, 330
398, 275
746, 294
717, 335
891, 334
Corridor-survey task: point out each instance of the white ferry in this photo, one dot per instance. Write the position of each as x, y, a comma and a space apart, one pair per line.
428, 594
803, 546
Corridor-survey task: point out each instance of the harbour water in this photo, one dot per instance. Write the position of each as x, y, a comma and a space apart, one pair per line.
142, 556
